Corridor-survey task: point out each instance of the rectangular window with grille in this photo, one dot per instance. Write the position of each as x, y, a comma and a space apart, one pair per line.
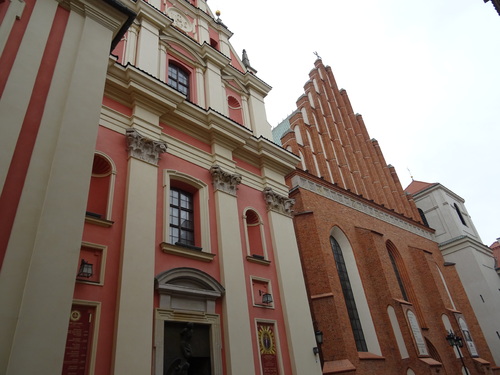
181, 218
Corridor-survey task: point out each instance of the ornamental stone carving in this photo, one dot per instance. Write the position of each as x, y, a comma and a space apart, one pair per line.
224, 181
143, 148
278, 203
180, 20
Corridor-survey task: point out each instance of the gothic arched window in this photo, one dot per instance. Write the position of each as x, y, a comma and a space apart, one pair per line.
350, 302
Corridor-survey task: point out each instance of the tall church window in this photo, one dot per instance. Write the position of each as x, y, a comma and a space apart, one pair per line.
398, 275
181, 217
459, 214
178, 78
422, 216
350, 302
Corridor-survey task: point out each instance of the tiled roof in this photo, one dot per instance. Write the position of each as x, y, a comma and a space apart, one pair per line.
417, 186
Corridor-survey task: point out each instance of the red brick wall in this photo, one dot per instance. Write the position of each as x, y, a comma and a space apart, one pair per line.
315, 216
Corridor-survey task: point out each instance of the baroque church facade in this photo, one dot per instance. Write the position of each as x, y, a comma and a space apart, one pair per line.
143, 200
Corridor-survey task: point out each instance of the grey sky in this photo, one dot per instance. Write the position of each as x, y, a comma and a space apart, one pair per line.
424, 74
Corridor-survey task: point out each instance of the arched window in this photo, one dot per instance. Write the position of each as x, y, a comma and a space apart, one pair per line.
422, 216
298, 135
178, 78
403, 351
235, 110
433, 351
404, 281
254, 234
102, 183
392, 256
350, 302
354, 294
459, 214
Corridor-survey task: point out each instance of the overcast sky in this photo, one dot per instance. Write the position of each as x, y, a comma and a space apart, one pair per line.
424, 74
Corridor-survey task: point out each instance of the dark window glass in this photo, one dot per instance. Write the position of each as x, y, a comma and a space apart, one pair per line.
181, 217
357, 330
178, 79
422, 216
459, 214
398, 277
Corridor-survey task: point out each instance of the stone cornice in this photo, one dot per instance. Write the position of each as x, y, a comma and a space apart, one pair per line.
463, 242
143, 148
225, 181
129, 85
278, 203
358, 205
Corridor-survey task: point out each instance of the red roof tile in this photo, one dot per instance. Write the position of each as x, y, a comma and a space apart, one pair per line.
417, 186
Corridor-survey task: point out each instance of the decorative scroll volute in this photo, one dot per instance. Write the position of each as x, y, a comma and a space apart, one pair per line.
278, 203
143, 148
224, 181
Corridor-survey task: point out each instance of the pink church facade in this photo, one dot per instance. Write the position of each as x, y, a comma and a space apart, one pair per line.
144, 203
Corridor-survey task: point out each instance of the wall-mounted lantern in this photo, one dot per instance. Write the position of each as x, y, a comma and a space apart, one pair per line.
86, 269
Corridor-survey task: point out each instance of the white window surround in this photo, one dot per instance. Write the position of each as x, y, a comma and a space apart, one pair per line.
276, 337
448, 327
170, 175
446, 288
262, 280
188, 295
397, 332
109, 205
358, 292
102, 266
298, 135
261, 230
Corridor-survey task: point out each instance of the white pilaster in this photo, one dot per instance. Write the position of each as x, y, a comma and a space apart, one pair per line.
258, 116
162, 65
213, 85
147, 49
14, 11
17, 91
39, 270
237, 331
134, 326
246, 112
200, 87
203, 33
224, 45
131, 45
299, 328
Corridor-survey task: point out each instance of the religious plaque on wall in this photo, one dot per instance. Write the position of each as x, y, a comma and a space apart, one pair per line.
267, 349
467, 338
76, 357
418, 338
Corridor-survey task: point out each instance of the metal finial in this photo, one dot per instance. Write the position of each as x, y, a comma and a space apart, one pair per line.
410, 173
317, 55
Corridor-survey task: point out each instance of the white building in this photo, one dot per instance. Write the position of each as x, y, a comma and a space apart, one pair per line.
461, 246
